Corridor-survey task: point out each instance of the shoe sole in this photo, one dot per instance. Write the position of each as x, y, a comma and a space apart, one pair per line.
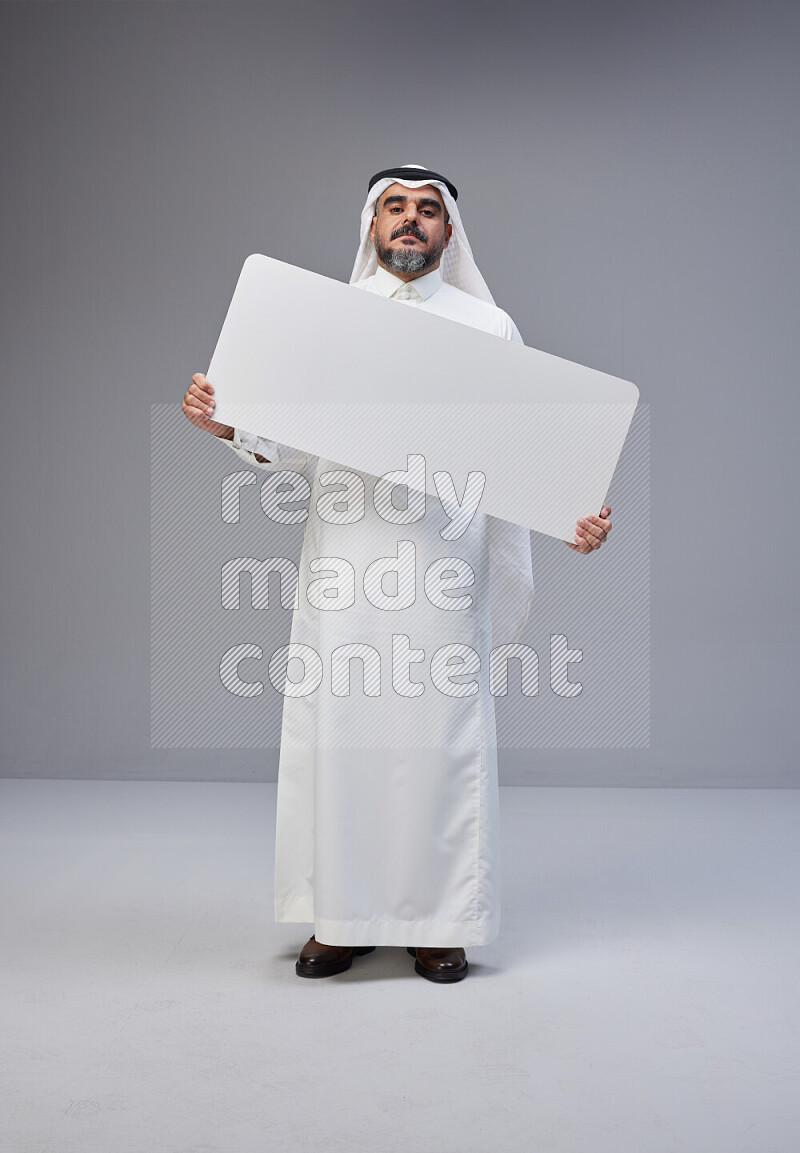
457, 975
332, 968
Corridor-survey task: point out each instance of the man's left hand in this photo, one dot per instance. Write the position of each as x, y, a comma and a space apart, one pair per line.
591, 531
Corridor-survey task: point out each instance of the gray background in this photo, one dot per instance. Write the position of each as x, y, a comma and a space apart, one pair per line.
629, 182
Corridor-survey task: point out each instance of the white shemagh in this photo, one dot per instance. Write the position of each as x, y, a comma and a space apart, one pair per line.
511, 570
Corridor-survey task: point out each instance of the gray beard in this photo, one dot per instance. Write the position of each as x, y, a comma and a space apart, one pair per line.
407, 259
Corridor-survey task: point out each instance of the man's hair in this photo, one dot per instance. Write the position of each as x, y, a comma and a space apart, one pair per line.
444, 206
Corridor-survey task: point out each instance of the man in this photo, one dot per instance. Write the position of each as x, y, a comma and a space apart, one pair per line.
387, 821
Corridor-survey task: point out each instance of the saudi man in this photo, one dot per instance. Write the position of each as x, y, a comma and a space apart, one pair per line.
387, 812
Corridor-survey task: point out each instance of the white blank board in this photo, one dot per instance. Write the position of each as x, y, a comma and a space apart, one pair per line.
364, 382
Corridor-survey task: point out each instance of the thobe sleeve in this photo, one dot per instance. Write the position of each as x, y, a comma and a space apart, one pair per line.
278, 456
508, 329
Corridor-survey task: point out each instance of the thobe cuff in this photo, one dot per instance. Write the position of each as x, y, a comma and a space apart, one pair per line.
247, 454
278, 456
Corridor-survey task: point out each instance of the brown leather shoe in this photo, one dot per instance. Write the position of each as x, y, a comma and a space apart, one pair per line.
440, 965
318, 960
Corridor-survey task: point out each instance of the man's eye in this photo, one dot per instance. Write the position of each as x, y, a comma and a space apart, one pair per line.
394, 209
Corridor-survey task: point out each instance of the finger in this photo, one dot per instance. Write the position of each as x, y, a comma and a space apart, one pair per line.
207, 403
589, 539
586, 535
198, 391
605, 510
599, 524
200, 409
202, 382
194, 412
591, 530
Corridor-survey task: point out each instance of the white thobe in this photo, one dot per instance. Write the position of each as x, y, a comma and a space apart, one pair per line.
387, 817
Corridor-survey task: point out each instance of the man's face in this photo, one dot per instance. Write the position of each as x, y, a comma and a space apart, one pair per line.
409, 230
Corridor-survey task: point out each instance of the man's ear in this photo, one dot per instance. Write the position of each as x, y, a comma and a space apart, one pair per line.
448, 232
372, 229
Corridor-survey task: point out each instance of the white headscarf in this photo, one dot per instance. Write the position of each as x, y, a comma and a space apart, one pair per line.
511, 570
458, 265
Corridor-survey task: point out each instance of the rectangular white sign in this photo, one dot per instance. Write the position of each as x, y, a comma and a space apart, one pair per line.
364, 382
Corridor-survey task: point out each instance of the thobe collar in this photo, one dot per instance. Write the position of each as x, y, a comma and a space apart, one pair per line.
388, 284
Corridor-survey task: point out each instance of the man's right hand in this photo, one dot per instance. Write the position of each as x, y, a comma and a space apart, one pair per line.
198, 405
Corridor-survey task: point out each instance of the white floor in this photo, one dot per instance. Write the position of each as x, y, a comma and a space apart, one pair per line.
642, 997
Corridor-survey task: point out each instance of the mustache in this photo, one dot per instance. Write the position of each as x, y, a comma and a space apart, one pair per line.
409, 230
